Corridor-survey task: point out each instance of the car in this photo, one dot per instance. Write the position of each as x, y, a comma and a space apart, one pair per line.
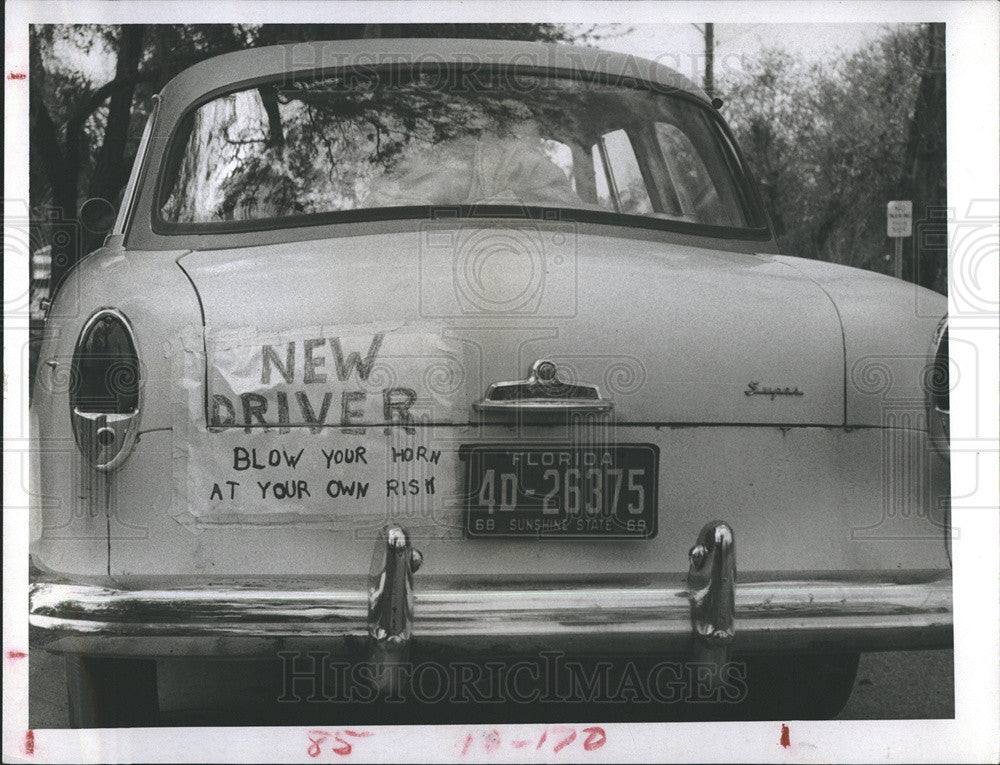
482, 348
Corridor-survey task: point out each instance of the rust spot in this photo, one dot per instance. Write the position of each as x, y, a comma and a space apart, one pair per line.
16, 76
29, 742
16, 655
786, 740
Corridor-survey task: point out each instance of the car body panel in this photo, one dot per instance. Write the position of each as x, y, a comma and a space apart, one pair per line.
886, 373
74, 523
634, 318
782, 488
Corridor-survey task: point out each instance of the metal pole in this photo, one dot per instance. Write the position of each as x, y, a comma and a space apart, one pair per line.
898, 270
709, 59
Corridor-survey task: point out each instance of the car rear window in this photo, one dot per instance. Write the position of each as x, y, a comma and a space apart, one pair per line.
286, 150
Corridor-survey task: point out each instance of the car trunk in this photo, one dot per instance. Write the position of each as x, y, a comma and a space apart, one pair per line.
328, 339
670, 334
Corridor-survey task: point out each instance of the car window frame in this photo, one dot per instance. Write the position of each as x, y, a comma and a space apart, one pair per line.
744, 184
130, 199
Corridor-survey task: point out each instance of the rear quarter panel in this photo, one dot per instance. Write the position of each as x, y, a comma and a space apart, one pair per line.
77, 504
889, 328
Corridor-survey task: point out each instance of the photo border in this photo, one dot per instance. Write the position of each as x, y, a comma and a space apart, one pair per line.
972, 94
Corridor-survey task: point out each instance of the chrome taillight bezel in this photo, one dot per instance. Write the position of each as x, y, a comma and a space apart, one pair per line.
105, 438
937, 386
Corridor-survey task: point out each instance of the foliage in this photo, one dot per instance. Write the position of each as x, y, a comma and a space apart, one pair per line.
349, 141
84, 134
829, 140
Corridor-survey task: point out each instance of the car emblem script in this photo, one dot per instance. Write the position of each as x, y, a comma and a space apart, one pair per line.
756, 389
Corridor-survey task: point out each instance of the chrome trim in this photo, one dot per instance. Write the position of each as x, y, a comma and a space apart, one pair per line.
542, 393
938, 419
712, 583
132, 187
390, 604
619, 615
754, 388
105, 434
390, 588
543, 405
86, 425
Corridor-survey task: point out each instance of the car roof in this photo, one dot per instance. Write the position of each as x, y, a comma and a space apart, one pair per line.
224, 71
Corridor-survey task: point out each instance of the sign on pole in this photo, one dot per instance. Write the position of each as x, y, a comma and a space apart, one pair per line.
899, 218
899, 224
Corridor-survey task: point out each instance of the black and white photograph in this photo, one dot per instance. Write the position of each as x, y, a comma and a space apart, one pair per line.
565, 383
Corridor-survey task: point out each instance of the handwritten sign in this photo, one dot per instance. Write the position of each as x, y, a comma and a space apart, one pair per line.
317, 423
343, 377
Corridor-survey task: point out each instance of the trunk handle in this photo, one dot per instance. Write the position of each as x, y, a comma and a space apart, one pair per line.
542, 392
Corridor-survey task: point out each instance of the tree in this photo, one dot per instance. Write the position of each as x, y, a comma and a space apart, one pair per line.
83, 136
924, 172
708, 32
833, 141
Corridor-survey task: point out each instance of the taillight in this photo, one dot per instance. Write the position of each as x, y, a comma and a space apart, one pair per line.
938, 387
105, 397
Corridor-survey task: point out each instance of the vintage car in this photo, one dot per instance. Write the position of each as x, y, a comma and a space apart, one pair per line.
475, 348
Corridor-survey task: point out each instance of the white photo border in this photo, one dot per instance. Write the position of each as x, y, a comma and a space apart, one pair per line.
972, 85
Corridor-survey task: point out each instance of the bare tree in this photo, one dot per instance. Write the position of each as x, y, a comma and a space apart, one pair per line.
62, 156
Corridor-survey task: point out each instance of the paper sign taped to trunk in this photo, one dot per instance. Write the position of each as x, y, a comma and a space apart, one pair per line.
320, 424
321, 377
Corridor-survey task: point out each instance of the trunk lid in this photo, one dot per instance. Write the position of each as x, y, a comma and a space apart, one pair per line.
365, 330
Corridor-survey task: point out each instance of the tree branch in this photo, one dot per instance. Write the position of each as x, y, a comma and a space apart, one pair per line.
74, 127
108, 177
91, 104
45, 140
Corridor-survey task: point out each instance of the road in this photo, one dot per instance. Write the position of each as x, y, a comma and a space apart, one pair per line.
895, 685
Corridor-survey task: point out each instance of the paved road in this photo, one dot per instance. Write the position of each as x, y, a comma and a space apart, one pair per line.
899, 685
903, 685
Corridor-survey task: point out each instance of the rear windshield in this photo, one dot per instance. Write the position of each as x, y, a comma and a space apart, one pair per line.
285, 151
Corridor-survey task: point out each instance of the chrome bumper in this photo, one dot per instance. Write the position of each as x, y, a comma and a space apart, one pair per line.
623, 615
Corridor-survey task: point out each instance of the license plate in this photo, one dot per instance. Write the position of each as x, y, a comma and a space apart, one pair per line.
565, 492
